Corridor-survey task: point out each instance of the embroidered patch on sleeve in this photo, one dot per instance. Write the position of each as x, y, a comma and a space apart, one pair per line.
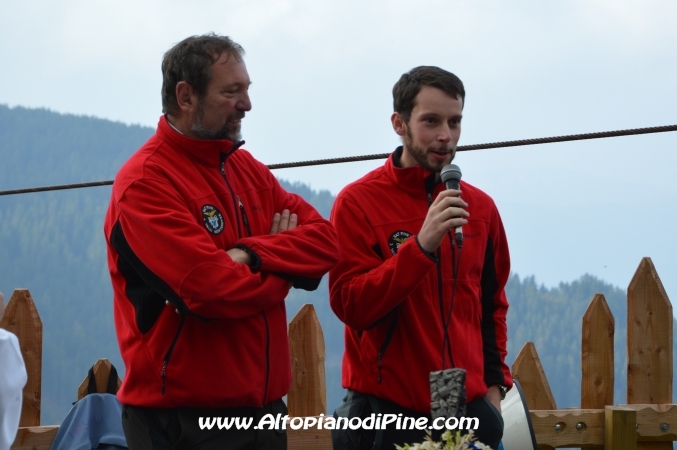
396, 239
213, 219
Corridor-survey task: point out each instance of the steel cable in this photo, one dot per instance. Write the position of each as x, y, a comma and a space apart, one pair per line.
460, 148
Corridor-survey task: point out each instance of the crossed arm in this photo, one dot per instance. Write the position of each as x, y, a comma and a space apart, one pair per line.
281, 222
214, 282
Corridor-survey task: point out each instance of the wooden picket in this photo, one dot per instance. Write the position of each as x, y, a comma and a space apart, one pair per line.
21, 318
527, 369
102, 368
2, 305
308, 393
597, 357
649, 343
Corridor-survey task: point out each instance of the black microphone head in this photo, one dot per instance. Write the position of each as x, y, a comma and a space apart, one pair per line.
451, 176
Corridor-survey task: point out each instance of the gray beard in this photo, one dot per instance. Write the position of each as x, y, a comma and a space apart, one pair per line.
223, 133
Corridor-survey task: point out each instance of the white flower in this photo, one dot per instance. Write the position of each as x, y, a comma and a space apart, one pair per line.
449, 442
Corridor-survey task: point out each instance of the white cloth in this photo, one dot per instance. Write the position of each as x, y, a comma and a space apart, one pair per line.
13, 378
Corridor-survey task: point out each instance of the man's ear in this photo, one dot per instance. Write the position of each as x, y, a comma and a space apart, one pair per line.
398, 123
186, 97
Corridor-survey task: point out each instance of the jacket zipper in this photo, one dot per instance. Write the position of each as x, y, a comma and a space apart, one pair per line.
265, 389
440, 295
386, 342
168, 355
170, 350
232, 193
440, 300
452, 242
445, 325
244, 216
241, 213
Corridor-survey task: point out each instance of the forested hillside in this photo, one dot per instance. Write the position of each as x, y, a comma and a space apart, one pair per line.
52, 243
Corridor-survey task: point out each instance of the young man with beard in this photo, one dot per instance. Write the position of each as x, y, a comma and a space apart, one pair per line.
412, 300
203, 247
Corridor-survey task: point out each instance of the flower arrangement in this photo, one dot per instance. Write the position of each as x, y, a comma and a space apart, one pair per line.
450, 441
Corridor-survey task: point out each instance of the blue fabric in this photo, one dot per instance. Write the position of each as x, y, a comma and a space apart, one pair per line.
93, 422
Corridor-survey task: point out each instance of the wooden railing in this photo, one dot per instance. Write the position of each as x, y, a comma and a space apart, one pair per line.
648, 421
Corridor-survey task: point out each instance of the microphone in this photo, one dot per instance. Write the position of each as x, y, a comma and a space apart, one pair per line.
451, 177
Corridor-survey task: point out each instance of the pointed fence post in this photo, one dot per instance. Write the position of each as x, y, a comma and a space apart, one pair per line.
101, 370
21, 318
307, 395
527, 369
597, 357
649, 343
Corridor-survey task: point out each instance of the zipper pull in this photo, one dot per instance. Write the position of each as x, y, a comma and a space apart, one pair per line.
430, 199
378, 364
164, 374
244, 216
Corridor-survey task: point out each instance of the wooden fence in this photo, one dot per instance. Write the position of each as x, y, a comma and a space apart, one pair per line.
648, 421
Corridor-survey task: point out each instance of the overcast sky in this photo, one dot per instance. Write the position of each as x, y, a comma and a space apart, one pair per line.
323, 73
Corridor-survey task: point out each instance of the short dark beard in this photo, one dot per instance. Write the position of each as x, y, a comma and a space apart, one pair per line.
419, 153
224, 133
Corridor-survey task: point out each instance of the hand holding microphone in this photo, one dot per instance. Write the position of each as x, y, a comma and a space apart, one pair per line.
451, 177
445, 213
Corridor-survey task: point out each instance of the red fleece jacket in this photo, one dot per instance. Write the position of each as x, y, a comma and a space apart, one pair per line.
177, 206
383, 275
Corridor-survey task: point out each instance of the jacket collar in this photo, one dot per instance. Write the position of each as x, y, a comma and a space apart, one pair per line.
415, 180
208, 151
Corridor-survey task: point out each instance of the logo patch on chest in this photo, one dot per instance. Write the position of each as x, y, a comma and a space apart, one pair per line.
213, 219
396, 239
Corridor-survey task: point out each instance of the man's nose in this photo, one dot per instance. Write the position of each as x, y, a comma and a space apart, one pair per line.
244, 104
445, 134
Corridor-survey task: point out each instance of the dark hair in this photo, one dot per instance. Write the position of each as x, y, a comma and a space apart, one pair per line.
190, 60
409, 85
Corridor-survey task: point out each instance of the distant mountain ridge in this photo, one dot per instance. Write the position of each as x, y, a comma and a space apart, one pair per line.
52, 243
62, 148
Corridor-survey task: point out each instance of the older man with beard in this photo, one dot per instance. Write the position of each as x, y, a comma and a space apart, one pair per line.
203, 247
413, 300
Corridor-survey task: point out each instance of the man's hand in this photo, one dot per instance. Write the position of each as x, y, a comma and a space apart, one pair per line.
494, 396
445, 213
240, 256
283, 222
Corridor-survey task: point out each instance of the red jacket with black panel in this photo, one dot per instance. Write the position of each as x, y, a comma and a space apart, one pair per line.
395, 299
178, 204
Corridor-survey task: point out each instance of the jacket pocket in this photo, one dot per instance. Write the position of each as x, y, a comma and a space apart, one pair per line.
498, 415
